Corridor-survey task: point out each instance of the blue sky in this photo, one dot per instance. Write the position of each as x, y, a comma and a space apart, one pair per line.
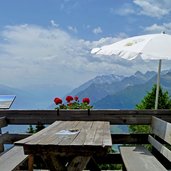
49, 41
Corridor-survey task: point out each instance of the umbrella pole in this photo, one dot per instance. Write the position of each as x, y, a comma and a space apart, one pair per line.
158, 85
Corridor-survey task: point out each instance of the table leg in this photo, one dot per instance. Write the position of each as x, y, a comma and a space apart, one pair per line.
92, 165
53, 162
78, 163
30, 162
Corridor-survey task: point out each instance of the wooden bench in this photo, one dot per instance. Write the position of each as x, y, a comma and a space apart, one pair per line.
12, 158
138, 158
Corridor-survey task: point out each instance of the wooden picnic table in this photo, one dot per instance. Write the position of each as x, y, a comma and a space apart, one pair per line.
69, 145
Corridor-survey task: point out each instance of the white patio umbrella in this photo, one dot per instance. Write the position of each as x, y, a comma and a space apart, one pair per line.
149, 47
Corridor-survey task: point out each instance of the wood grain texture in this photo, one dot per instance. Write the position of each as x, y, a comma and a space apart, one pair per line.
78, 163
113, 116
140, 159
92, 136
12, 158
161, 148
125, 138
38, 135
162, 129
98, 130
76, 145
137, 158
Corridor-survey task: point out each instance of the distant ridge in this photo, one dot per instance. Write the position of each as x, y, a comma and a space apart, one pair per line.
105, 91
106, 85
108, 79
132, 94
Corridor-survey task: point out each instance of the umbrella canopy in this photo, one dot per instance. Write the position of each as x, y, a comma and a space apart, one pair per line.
149, 47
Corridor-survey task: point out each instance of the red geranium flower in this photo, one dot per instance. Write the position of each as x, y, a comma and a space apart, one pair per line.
76, 98
69, 98
58, 101
86, 100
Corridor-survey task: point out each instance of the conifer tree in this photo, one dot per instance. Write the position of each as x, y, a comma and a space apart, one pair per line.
148, 102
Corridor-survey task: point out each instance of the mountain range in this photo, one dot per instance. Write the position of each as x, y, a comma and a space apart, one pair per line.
105, 91
121, 92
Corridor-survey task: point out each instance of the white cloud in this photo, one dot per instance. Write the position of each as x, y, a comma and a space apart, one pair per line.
68, 6
53, 23
155, 28
33, 54
73, 29
97, 30
126, 9
154, 8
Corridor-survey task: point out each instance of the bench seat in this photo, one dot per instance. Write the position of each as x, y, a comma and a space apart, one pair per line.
138, 158
12, 158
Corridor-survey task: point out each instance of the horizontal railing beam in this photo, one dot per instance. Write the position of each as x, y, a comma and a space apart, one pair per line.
130, 138
114, 116
114, 158
10, 138
7, 138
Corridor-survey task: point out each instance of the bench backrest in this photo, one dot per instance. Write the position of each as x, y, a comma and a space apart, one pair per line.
162, 129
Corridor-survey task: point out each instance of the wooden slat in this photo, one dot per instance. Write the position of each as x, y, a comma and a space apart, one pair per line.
64, 126
67, 140
162, 129
91, 135
126, 138
114, 158
49, 137
81, 138
140, 159
107, 140
98, 139
161, 148
12, 158
37, 135
114, 116
7, 138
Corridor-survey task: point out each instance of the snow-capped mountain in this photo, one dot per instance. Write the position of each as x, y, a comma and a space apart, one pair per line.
102, 86
103, 79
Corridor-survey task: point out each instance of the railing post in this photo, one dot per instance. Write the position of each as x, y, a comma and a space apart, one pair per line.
3, 123
1, 143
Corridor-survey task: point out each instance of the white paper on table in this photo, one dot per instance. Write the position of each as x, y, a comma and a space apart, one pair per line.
67, 132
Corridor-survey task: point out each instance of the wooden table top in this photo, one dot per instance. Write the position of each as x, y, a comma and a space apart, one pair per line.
74, 134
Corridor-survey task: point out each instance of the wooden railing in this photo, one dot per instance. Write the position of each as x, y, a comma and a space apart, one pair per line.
115, 117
